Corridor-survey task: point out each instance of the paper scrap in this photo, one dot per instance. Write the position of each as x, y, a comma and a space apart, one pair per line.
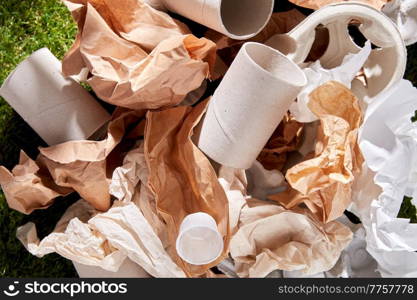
387, 137
104, 240
84, 166
137, 57
323, 183
29, 186
80, 166
271, 237
181, 177
286, 138
317, 75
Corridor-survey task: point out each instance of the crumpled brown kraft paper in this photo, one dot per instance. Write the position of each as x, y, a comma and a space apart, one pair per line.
181, 177
137, 57
29, 186
81, 166
324, 182
316, 4
106, 240
271, 237
286, 138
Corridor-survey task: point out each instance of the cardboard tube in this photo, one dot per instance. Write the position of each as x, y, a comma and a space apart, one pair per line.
239, 20
57, 108
248, 105
128, 269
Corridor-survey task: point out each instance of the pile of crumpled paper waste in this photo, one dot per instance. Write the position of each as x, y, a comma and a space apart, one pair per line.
241, 142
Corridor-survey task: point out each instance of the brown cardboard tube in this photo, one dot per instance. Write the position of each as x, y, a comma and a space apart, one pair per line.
248, 105
239, 20
57, 108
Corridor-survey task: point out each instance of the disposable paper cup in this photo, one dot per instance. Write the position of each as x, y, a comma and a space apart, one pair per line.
248, 105
128, 269
199, 241
57, 108
239, 20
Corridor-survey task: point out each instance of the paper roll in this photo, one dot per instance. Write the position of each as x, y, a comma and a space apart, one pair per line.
57, 108
238, 20
248, 105
127, 270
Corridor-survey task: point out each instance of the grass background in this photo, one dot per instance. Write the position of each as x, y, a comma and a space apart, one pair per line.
26, 26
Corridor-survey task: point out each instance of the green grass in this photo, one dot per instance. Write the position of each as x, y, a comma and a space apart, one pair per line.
25, 26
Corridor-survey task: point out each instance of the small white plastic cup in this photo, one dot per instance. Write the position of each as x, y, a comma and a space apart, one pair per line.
199, 241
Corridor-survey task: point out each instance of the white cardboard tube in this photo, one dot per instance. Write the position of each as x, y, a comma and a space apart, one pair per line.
199, 242
248, 105
128, 269
239, 20
57, 108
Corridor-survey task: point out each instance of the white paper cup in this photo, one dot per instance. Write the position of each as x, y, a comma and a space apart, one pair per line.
239, 20
248, 105
199, 241
57, 108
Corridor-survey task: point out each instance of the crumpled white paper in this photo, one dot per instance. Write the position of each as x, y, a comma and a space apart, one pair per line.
404, 14
105, 240
317, 75
126, 178
388, 140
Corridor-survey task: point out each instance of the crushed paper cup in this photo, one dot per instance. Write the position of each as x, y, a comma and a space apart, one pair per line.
385, 65
57, 108
127, 270
199, 241
238, 20
250, 102
404, 14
